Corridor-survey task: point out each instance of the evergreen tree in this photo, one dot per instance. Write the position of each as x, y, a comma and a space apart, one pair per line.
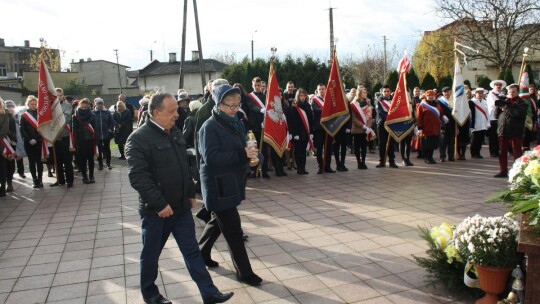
376, 88
392, 79
412, 79
483, 82
509, 77
446, 81
428, 83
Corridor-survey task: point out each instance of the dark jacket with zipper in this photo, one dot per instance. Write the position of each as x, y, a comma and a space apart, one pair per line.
28, 132
104, 124
224, 164
158, 169
512, 118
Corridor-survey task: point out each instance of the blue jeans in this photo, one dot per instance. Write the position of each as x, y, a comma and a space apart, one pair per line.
155, 232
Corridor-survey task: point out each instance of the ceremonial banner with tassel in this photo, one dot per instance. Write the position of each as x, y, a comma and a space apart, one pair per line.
399, 121
275, 123
524, 94
461, 110
335, 112
50, 117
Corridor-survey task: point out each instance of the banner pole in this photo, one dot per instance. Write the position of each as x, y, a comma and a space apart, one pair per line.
55, 162
324, 152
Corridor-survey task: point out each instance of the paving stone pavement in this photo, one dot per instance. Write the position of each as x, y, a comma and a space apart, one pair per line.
333, 238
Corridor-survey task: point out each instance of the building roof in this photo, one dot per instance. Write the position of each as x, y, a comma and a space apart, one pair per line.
82, 61
166, 68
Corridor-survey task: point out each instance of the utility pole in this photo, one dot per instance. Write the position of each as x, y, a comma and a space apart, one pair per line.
331, 33
201, 61
252, 57
385, 67
183, 51
118, 68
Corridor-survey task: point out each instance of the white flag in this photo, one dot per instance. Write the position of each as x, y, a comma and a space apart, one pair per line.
50, 117
461, 109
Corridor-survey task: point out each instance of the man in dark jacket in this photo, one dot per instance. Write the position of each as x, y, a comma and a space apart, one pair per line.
511, 125
159, 171
104, 131
257, 110
382, 106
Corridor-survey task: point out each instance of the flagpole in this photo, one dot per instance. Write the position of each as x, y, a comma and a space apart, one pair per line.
456, 147
526, 50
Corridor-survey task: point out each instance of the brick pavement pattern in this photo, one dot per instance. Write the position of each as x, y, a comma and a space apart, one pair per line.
333, 238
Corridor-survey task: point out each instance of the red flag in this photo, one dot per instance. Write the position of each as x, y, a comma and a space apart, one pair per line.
50, 117
399, 121
275, 123
336, 108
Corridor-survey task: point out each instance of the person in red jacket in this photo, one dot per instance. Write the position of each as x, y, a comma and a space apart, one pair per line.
430, 120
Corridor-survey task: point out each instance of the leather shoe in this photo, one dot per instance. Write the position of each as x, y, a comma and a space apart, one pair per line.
159, 299
252, 280
210, 263
219, 298
380, 165
393, 165
245, 237
501, 174
57, 184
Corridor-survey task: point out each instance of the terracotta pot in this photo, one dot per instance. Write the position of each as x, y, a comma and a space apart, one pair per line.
492, 282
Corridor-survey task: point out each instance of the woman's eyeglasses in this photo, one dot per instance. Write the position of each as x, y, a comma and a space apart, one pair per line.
232, 107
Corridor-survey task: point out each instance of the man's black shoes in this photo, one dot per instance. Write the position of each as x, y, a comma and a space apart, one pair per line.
219, 298
159, 299
252, 280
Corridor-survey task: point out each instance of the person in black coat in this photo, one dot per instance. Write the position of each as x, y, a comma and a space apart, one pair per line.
159, 172
104, 131
33, 143
224, 166
84, 126
321, 140
382, 106
447, 143
123, 120
300, 123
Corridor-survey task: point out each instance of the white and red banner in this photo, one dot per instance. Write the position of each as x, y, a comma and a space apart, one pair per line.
50, 117
275, 123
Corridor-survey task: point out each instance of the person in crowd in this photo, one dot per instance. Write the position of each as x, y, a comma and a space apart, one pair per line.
183, 108
4, 132
21, 152
447, 144
289, 96
351, 95
386, 144
84, 126
405, 145
323, 143
341, 140
33, 143
512, 115
123, 120
479, 121
300, 124
12, 135
362, 123
430, 121
464, 131
495, 94
189, 124
224, 166
104, 132
128, 106
64, 145
143, 110
257, 110
158, 170
530, 122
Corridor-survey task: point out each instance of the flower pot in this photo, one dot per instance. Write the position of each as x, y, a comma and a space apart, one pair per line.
492, 282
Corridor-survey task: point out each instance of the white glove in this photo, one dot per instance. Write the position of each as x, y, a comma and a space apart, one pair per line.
290, 136
364, 127
419, 132
347, 130
311, 136
296, 137
415, 130
446, 120
33, 142
263, 110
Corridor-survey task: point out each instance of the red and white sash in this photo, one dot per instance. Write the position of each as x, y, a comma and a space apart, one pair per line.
479, 108
304, 118
33, 122
319, 101
360, 113
8, 149
71, 139
385, 104
90, 130
256, 100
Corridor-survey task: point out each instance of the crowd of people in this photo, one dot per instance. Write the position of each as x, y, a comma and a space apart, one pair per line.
87, 135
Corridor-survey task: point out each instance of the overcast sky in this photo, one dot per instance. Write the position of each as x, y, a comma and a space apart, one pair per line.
92, 29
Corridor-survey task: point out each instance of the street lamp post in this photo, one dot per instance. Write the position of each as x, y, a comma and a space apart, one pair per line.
118, 68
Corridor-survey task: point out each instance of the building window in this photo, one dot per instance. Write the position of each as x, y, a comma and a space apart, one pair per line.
3, 69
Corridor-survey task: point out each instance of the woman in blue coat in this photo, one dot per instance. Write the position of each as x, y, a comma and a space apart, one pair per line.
224, 167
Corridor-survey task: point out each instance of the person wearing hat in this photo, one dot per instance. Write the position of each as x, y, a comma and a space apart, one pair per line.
183, 108
159, 172
479, 121
142, 116
430, 121
224, 164
447, 145
493, 95
104, 132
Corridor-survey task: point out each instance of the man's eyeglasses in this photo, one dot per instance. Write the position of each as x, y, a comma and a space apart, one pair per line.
232, 107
